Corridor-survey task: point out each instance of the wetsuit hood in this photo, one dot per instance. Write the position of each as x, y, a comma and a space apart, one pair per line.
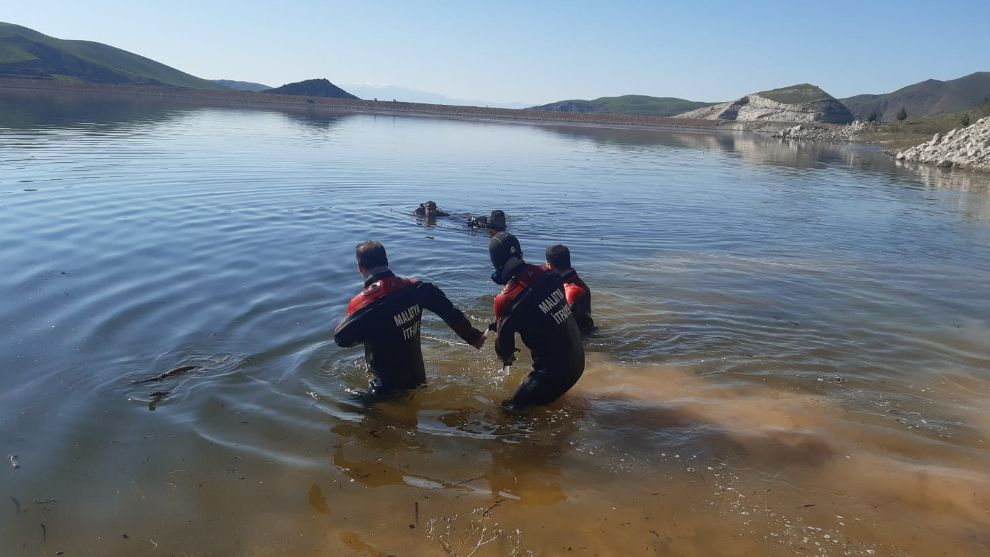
496, 221
506, 255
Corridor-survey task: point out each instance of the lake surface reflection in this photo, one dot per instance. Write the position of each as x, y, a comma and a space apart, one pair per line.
791, 357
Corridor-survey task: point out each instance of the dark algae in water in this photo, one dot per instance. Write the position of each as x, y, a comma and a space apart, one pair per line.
165, 375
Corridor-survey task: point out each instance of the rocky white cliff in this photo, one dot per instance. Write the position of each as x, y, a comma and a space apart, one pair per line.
967, 147
800, 103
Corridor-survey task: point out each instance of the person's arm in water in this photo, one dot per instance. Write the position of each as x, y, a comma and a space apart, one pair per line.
505, 331
436, 301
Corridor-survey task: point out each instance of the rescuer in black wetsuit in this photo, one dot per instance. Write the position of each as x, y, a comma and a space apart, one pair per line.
386, 318
578, 293
496, 222
533, 304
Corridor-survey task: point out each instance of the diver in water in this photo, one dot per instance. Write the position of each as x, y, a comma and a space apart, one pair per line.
430, 210
533, 304
578, 293
496, 222
386, 318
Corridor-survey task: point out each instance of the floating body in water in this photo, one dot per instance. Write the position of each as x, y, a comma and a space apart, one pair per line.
533, 303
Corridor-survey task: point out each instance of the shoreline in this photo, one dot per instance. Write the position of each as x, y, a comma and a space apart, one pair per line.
239, 99
812, 132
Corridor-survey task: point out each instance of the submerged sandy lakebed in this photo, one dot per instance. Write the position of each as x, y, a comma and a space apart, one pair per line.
790, 355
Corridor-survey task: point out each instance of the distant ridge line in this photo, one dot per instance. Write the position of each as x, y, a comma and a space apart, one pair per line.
230, 98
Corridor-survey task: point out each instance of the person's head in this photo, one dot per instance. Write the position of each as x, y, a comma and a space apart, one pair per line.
497, 220
370, 255
559, 257
506, 256
430, 208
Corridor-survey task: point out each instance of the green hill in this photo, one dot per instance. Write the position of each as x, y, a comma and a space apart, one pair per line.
26, 53
247, 86
803, 93
639, 105
312, 88
924, 99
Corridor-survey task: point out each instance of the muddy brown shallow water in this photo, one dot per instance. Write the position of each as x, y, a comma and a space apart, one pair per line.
791, 356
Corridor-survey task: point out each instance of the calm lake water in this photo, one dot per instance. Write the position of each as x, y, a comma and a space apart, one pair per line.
792, 354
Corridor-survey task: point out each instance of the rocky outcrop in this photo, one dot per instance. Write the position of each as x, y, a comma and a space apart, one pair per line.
800, 103
824, 132
967, 147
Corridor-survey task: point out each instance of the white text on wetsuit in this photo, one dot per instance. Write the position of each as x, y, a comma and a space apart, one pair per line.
405, 316
552, 300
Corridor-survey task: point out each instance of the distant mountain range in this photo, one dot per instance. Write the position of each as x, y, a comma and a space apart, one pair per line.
26, 53
641, 105
927, 98
920, 100
312, 88
241, 85
406, 94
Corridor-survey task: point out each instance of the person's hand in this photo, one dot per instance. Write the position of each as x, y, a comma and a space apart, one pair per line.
480, 342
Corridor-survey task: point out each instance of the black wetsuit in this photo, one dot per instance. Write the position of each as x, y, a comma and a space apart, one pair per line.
533, 303
386, 318
421, 212
579, 298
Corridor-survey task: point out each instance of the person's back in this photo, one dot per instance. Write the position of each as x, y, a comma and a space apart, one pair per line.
533, 304
578, 293
386, 317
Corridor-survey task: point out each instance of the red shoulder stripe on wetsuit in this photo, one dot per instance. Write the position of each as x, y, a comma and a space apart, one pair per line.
377, 290
574, 287
526, 278
574, 292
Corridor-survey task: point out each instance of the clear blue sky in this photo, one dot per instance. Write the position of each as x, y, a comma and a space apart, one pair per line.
504, 51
